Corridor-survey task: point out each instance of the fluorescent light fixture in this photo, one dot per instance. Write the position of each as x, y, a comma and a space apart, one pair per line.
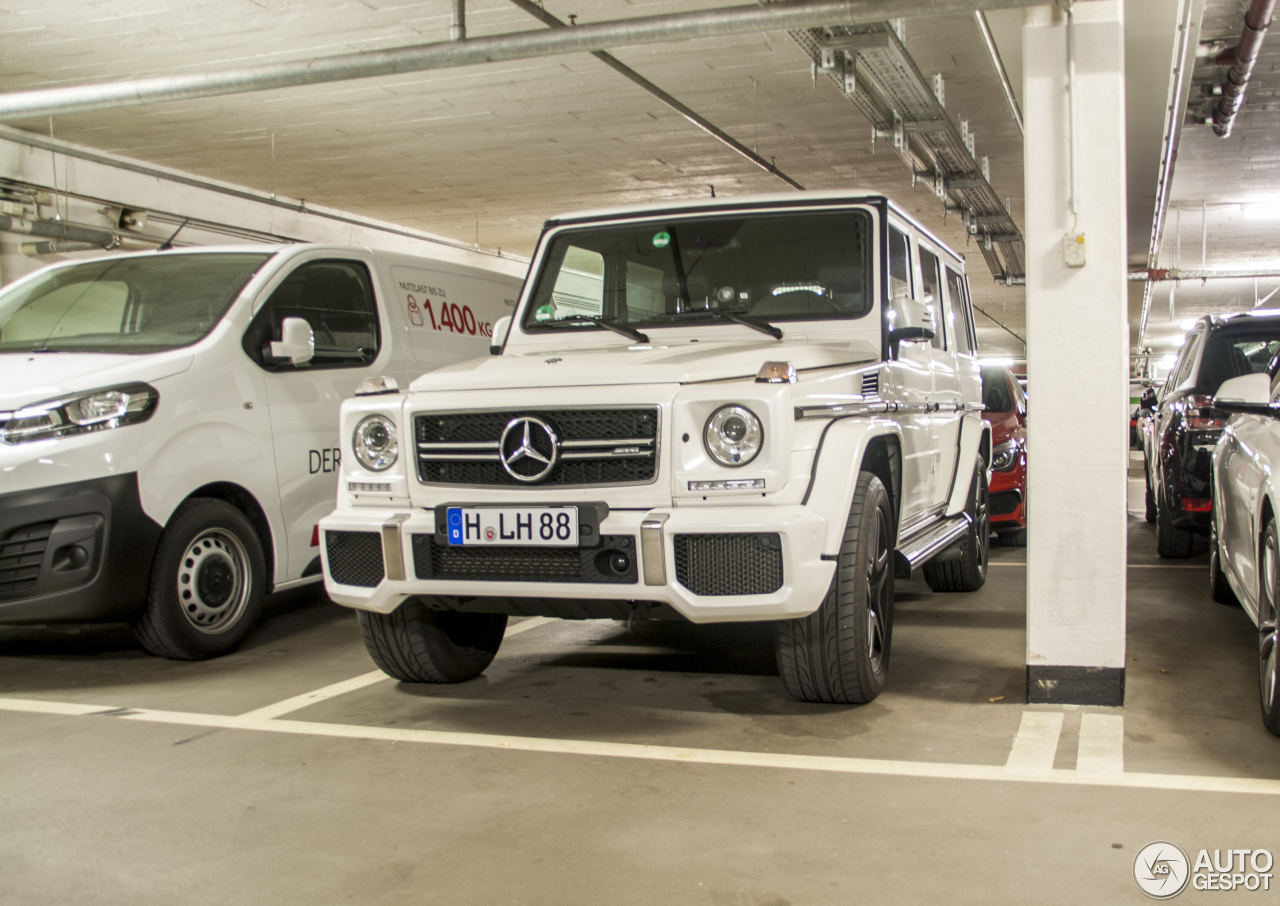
1167, 361
1178, 341
1187, 325
1007, 363
1266, 210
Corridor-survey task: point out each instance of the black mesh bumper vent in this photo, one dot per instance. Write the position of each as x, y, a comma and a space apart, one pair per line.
747, 564
355, 558
21, 553
612, 562
1005, 502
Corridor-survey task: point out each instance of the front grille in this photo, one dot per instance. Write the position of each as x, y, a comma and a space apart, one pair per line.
871, 383
527, 564
21, 553
746, 564
597, 446
1005, 502
355, 558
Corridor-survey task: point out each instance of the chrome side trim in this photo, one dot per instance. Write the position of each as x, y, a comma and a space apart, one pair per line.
651, 549
935, 539
392, 551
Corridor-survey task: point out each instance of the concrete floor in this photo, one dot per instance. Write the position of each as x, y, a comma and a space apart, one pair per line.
173, 799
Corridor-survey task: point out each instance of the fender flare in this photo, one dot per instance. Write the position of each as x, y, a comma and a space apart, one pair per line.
837, 461
975, 441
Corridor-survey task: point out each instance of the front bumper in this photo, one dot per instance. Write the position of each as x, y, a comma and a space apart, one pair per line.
75, 553
793, 532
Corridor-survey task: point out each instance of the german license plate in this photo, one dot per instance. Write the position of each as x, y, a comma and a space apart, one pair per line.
524, 526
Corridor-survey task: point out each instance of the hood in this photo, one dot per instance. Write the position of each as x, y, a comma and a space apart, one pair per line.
678, 363
1003, 425
29, 377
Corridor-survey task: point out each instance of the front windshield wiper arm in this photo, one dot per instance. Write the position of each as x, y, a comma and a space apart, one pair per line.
628, 332
762, 326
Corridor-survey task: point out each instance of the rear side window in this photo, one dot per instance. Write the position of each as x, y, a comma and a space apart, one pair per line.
1183, 369
1232, 353
899, 264
931, 283
336, 298
996, 393
959, 320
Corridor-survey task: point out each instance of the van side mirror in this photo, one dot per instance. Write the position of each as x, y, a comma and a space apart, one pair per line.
297, 343
1248, 388
501, 328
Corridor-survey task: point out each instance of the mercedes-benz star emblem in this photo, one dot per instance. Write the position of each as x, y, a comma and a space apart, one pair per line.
529, 449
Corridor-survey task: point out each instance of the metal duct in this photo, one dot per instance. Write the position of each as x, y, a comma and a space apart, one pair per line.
51, 229
58, 247
1256, 21
795, 14
1160, 275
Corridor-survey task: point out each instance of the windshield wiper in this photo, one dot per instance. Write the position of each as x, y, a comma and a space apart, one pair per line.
697, 313
629, 332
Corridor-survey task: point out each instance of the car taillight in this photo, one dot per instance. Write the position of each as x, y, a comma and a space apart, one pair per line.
1201, 415
1197, 504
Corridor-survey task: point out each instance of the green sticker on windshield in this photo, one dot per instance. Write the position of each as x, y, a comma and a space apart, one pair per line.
661, 240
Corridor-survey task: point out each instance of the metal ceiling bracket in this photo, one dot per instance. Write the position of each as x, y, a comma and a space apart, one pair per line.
939, 90
940, 188
986, 168
899, 133
850, 78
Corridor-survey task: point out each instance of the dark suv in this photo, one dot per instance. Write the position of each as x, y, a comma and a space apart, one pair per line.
1184, 426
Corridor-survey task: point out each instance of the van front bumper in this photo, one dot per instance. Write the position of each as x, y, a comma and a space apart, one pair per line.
75, 553
709, 564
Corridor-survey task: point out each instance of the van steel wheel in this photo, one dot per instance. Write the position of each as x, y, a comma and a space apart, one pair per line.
840, 652
207, 582
1268, 657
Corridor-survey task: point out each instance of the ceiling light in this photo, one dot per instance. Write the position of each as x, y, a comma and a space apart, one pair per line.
1167, 361
1269, 210
1178, 341
997, 362
1187, 325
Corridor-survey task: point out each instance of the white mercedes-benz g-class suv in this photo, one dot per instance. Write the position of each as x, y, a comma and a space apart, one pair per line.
753, 408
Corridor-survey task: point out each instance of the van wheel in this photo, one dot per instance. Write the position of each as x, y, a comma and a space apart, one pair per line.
969, 571
207, 582
1219, 587
1268, 656
840, 653
416, 644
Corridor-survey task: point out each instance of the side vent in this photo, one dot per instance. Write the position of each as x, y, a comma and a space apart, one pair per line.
871, 383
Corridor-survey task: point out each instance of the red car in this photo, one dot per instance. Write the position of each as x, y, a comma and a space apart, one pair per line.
1006, 408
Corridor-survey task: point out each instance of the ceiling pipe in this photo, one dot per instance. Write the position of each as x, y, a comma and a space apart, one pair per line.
989, 39
49, 229
1256, 21
458, 30
795, 14
58, 247
1161, 275
692, 116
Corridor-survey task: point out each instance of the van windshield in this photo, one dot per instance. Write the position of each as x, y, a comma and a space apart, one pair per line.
663, 273
125, 305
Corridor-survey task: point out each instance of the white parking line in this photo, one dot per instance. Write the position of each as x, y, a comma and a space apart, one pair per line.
1101, 750
298, 702
1130, 565
773, 760
1036, 744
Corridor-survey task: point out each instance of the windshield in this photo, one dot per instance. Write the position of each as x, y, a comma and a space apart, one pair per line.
766, 268
124, 305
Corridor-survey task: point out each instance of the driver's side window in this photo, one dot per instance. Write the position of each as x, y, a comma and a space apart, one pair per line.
334, 297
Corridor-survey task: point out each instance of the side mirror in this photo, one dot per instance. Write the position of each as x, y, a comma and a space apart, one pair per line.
898, 335
501, 328
297, 343
1248, 388
1147, 400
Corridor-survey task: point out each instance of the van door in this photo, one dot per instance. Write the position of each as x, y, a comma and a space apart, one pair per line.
911, 381
945, 422
335, 294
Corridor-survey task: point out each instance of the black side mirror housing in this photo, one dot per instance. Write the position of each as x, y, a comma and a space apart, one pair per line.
897, 335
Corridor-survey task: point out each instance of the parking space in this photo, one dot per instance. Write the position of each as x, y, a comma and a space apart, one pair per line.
588, 755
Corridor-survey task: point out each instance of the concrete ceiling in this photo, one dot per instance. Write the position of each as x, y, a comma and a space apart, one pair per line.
486, 153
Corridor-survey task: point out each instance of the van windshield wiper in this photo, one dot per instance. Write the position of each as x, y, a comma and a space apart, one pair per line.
700, 313
606, 323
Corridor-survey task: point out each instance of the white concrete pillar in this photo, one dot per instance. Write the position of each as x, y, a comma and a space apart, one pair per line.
1077, 357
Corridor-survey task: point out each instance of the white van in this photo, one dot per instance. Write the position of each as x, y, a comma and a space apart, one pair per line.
169, 422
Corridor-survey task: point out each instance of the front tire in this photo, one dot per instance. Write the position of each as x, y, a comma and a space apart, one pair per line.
1268, 657
207, 582
417, 644
839, 654
968, 572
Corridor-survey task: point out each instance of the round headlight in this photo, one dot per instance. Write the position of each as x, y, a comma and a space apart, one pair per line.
733, 435
374, 443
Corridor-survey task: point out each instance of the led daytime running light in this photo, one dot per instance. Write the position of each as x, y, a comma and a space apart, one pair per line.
94, 410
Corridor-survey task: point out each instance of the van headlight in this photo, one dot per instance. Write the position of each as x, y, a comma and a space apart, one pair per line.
80, 413
733, 435
374, 443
